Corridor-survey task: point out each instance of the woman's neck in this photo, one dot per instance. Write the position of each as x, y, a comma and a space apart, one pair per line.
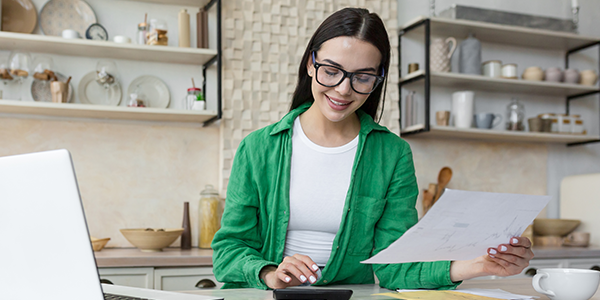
326, 133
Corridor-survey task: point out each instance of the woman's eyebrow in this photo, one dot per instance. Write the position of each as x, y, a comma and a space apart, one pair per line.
340, 66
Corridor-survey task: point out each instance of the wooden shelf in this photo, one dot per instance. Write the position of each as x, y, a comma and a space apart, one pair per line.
448, 132
488, 84
74, 110
504, 34
198, 3
104, 49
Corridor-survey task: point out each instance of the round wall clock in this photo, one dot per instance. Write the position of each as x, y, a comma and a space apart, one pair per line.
96, 32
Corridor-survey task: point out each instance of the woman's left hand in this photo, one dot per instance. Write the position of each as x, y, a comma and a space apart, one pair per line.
504, 260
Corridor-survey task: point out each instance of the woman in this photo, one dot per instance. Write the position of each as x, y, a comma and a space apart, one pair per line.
326, 187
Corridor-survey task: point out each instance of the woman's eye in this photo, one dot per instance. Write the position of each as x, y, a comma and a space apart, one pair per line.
331, 72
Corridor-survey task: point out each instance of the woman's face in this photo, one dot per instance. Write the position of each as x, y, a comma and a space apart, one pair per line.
352, 55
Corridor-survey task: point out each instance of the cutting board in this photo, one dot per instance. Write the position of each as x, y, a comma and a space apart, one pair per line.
580, 199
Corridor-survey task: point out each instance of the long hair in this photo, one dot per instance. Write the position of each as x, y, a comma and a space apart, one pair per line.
352, 22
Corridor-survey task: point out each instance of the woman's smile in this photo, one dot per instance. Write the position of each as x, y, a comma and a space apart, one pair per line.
337, 104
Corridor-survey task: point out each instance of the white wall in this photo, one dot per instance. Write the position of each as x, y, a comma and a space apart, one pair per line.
561, 161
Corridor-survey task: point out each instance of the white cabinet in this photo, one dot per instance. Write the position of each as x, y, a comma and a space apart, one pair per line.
134, 277
169, 279
182, 279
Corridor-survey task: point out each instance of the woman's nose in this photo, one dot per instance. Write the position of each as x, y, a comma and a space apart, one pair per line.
344, 88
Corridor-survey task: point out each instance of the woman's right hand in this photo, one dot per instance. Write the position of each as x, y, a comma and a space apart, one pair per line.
292, 271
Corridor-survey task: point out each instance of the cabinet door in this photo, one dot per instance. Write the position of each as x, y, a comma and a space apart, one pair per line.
134, 277
185, 279
584, 263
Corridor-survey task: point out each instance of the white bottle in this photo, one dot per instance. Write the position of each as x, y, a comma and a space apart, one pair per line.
184, 28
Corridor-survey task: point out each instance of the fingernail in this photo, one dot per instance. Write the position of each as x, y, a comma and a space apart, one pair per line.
302, 278
492, 256
287, 279
315, 267
503, 248
493, 251
313, 279
515, 241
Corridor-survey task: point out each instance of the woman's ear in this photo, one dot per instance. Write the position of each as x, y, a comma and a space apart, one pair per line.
310, 68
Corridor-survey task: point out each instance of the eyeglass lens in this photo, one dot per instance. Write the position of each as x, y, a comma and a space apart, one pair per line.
332, 76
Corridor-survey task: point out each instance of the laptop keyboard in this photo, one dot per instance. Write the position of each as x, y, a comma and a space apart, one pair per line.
108, 296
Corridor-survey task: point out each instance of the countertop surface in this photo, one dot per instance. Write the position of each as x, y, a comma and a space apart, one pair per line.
169, 257
520, 286
195, 257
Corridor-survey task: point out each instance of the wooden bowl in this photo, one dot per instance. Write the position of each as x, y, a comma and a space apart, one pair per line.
151, 240
554, 227
98, 244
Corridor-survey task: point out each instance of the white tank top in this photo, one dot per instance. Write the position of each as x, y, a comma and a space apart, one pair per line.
319, 181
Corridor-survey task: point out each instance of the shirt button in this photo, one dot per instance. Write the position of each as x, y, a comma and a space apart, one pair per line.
338, 247
348, 209
325, 281
284, 212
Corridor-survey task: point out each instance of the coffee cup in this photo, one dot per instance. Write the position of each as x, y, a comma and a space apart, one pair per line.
442, 118
70, 34
566, 284
487, 120
462, 108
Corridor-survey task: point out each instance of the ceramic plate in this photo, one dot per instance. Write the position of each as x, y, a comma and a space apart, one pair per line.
58, 15
153, 91
18, 16
91, 92
40, 89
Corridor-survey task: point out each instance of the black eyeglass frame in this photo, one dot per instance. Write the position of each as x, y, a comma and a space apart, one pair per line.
347, 74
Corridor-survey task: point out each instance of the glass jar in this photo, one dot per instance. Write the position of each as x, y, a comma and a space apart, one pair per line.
208, 212
191, 97
515, 116
157, 34
142, 34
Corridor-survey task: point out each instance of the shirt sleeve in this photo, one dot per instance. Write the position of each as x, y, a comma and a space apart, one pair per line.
400, 201
237, 259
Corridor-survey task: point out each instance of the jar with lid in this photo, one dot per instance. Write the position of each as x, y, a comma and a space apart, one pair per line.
191, 97
209, 219
564, 123
515, 113
157, 34
142, 34
577, 124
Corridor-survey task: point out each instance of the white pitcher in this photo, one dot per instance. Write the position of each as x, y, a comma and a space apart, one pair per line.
440, 54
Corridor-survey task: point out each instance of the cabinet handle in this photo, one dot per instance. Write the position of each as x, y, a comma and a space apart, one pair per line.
102, 280
531, 272
205, 283
595, 268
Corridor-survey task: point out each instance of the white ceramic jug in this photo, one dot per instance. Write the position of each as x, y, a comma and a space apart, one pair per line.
440, 53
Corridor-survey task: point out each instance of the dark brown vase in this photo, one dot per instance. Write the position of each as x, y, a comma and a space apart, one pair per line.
186, 236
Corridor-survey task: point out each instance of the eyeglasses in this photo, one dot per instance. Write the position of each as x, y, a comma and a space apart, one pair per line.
330, 76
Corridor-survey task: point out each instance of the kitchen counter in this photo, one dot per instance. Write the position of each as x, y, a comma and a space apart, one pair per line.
169, 257
566, 252
195, 257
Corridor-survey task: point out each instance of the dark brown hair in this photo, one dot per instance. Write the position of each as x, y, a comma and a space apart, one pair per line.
353, 22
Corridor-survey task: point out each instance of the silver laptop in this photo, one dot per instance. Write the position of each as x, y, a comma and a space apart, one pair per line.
45, 248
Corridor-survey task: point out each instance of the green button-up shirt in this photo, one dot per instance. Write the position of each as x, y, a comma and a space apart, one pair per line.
379, 208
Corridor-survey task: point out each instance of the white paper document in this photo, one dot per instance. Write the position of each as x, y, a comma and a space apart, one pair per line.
462, 225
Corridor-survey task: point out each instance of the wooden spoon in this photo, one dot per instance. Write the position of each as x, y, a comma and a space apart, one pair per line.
443, 178
428, 196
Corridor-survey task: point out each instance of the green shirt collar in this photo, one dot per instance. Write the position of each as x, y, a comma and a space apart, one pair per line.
287, 122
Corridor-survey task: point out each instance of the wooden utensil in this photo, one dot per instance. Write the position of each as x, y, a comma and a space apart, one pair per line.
428, 196
443, 178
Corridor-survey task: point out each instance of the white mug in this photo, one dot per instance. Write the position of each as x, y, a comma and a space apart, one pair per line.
462, 108
70, 34
566, 284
